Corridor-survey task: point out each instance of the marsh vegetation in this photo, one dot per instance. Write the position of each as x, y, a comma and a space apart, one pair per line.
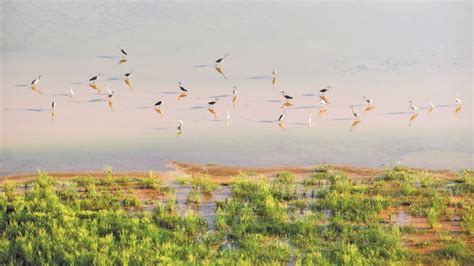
326, 217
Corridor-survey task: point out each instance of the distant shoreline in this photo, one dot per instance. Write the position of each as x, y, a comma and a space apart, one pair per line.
219, 172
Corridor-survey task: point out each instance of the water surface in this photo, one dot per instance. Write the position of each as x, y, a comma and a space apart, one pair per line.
390, 52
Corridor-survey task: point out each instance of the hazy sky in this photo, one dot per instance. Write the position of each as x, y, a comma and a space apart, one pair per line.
390, 52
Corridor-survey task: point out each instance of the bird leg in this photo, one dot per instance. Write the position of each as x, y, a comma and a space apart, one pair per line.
158, 110
182, 95
110, 105
429, 111
369, 108
457, 110
322, 111
355, 123
286, 104
128, 83
219, 70
281, 124
211, 110
412, 118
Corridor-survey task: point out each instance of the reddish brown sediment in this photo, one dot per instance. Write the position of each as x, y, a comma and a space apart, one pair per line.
225, 174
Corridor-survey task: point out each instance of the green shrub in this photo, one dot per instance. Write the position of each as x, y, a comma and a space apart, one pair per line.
149, 182
467, 220
426, 180
84, 181
400, 174
199, 182
194, 196
131, 200
433, 216
465, 182
407, 189
455, 249
284, 178
322, 168
408, 229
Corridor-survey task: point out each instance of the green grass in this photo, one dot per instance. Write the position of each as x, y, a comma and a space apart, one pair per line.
455, 249
105, 221
199, 182
194, 196
467, 220
285, 177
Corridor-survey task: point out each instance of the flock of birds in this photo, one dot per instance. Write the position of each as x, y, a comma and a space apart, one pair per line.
323, 98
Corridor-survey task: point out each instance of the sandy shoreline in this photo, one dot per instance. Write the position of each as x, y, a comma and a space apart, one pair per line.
223, 173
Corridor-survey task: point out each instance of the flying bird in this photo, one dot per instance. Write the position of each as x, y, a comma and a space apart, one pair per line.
234, 96
218, 61
110, 94
211, 103
282, 116
129, 74
160, 102
181, 124
95, 78
412, 106
356, 115
227, 118
286, 96
182, 88
323, 91
124, 52
458, 105
53, 105
35, 81
368, 101
431, 108
34, 85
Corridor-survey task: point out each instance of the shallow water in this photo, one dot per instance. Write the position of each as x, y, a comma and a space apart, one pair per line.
402, 218
389, 52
